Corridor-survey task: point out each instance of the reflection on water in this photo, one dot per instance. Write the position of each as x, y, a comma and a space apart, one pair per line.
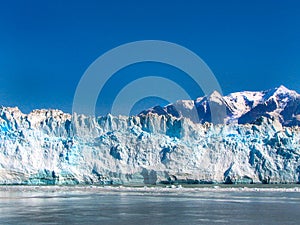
110, 207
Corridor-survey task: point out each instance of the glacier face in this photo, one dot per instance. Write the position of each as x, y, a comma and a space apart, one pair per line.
52, 147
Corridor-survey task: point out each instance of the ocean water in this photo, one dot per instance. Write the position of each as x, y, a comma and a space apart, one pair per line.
123, 205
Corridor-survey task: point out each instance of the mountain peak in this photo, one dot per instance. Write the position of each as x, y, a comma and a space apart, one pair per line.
215, 93
282, 87
215, 96
282, 90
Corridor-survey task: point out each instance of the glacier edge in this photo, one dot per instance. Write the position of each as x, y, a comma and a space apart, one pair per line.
52, 147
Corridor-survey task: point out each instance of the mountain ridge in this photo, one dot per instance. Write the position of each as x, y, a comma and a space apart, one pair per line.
241, 107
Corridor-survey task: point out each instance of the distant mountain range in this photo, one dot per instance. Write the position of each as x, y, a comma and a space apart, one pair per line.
240, 107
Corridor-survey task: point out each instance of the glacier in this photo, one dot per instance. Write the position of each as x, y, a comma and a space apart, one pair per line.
53, 147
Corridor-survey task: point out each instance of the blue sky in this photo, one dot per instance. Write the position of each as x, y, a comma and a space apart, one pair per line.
45, 47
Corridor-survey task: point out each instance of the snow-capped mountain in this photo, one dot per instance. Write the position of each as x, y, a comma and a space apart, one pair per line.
52, 147
240, 107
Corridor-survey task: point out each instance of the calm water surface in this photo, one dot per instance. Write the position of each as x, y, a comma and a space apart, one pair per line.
103, 206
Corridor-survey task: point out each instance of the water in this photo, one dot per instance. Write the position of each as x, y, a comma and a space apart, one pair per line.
96, 205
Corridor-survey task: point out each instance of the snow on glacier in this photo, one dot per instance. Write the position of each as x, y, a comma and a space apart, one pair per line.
52, 147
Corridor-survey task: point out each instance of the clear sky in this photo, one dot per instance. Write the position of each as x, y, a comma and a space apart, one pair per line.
45, 46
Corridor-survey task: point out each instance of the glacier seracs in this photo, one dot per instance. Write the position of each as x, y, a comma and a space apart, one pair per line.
52, 147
